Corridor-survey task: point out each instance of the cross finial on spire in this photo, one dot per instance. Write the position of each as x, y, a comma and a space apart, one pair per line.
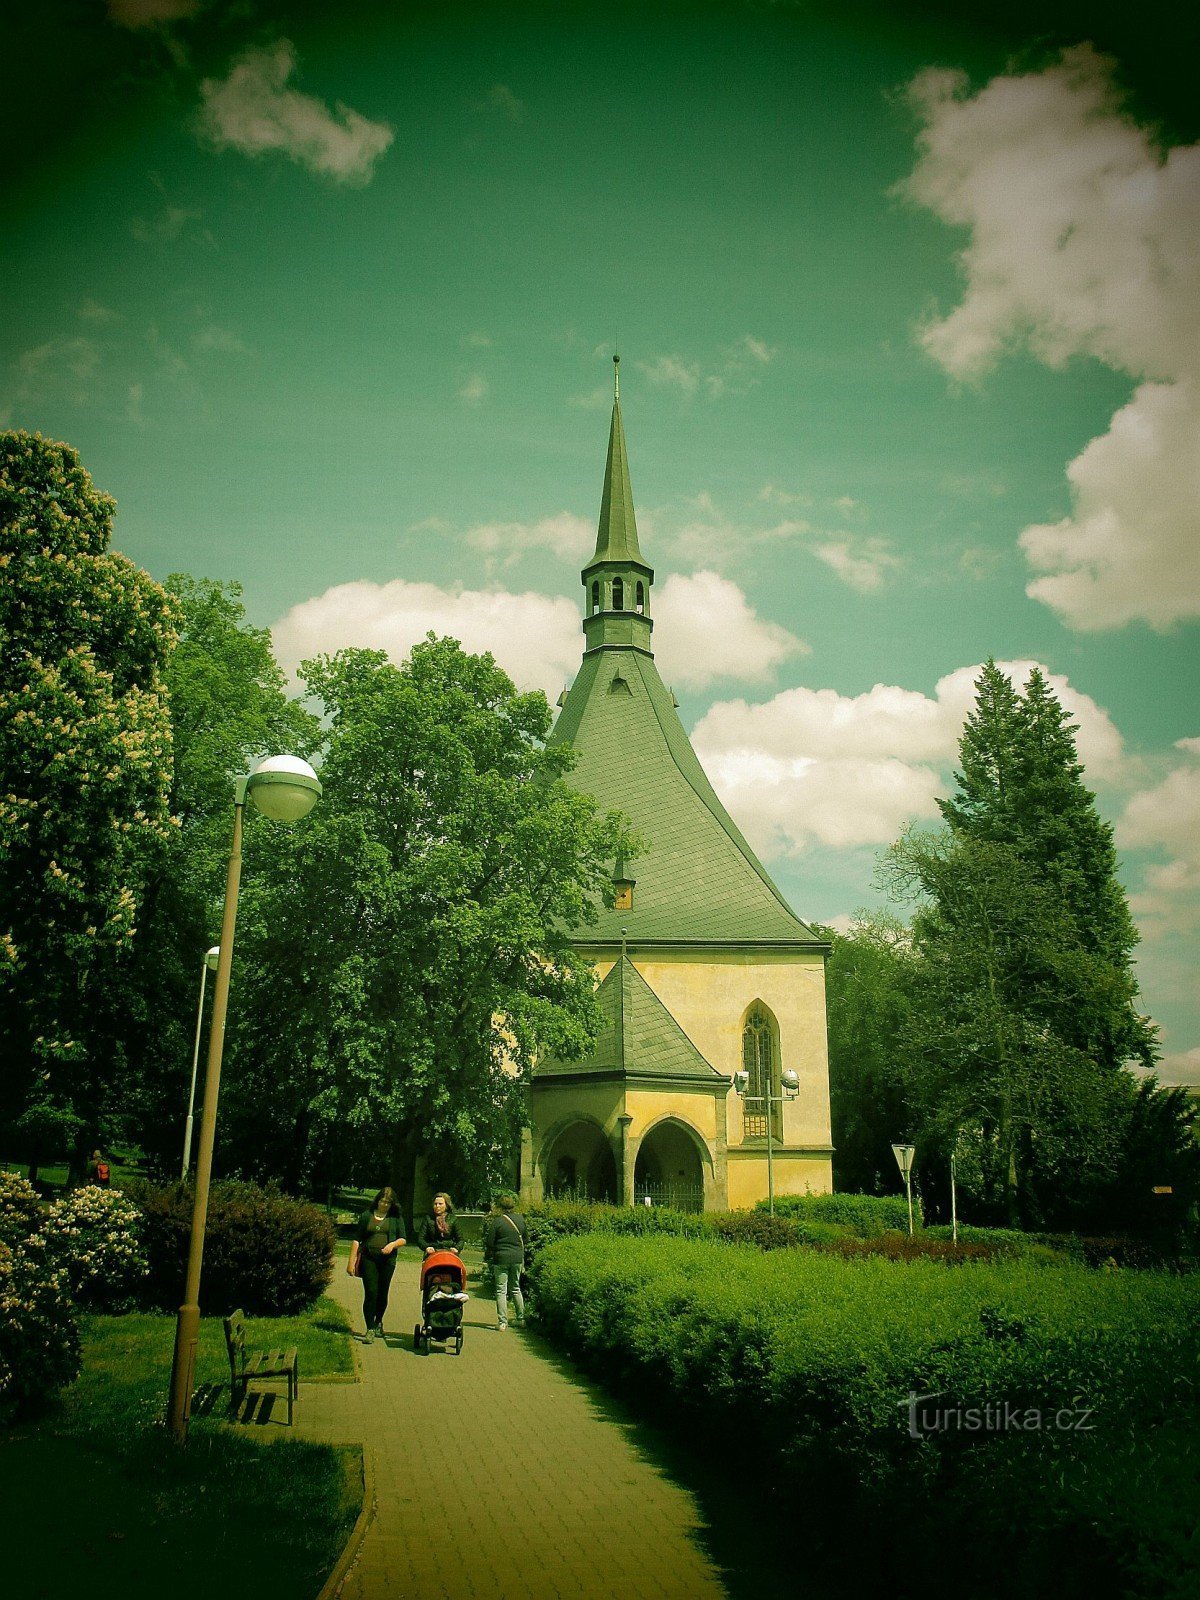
616, 377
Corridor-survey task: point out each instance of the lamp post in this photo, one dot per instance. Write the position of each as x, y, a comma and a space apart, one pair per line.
904, 1154
209, 964
791, 1088
285, 789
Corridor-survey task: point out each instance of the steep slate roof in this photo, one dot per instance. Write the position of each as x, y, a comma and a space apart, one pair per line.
640, 1037
699, 880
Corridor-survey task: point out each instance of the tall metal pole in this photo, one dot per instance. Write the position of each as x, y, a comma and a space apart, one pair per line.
187, 1127
187, 1327
770, 1156
908, 1191
954, 1196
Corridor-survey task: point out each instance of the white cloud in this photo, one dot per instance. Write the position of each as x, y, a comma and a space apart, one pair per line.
1181, 1068
705, 629
75, 358
478, 340
812, 765
1082, 241
254, 110
534, 637
1165, 819
1131, 546
474, 389
215, 337
567, 536
757, 349
93, 311
166, 227
672, 371
864, 570
501, 98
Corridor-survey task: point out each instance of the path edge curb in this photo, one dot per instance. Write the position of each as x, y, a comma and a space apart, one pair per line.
332, 1586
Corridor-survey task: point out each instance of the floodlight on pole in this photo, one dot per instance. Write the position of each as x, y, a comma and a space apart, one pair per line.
905, 1155
207, 965
790, 1083
284, 788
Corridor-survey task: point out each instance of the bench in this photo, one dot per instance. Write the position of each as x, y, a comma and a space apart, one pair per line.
258, 1365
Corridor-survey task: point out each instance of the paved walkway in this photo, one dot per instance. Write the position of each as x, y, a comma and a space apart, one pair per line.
497, 1477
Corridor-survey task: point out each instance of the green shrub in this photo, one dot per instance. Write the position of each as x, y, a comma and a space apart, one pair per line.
263, 1251
95, 1236
39, 1339
868, 1215
899, 1247
811, 1361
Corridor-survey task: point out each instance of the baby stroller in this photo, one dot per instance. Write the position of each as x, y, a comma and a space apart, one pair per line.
443, 1295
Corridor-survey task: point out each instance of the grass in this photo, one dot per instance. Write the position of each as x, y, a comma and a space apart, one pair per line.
103, 1495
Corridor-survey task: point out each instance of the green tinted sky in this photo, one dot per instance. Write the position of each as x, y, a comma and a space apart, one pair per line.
377, 353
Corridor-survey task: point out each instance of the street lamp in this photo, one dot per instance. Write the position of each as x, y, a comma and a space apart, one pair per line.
791, 1088
905, 1154
209, 964
285, 789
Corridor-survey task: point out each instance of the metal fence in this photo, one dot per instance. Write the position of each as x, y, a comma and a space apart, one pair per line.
675, 1196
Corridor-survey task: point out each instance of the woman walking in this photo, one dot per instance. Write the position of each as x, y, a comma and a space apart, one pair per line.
504, 1239
379, 1235
439, 1230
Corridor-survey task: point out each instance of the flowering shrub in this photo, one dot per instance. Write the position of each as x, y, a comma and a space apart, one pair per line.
263, 1251
39, 1341
21, 1211
95, 1236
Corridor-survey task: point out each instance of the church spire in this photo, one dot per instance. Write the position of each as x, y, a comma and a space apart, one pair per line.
617, 580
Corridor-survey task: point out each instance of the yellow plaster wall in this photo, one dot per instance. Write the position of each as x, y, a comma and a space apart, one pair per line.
649, 1106
794, 1174
709, 992
552, 1103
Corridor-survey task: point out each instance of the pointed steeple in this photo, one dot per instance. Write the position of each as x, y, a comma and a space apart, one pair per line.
617, 580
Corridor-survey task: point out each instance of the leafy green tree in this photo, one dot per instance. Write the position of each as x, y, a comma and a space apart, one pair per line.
996, 1054
869, 994
229, 708
404, 954
85, 770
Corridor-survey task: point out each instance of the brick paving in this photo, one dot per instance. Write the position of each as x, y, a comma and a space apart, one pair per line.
497, 1477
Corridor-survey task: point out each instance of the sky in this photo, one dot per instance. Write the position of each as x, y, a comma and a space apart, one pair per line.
908, 307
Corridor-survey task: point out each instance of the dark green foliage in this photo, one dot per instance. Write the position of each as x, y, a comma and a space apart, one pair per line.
807, 1363
868, 1214
264, 1252
427, 896
899, 1247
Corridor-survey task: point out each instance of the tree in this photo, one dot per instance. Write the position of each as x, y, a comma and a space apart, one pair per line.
995, 1042
229, 708
1021, 786
869, 994
404, 954
85, 770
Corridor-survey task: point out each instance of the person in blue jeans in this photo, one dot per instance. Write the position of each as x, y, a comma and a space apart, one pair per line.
505, 1237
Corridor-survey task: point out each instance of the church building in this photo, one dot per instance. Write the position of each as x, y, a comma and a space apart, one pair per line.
704, 969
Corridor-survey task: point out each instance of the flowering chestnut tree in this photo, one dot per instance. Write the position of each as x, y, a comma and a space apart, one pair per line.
85, 771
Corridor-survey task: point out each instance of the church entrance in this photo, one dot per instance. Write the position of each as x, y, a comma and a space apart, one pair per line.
668, 1170
579, 1165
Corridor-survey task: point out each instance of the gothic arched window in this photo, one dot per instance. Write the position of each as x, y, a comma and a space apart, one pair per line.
595, 598
618, 595
760, 1059
641, 597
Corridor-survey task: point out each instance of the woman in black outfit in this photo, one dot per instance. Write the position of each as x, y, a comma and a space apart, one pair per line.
380, 1234
439, 1230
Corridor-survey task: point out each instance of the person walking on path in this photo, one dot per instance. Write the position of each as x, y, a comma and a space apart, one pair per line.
504, 1240
379, 1235
439, 1230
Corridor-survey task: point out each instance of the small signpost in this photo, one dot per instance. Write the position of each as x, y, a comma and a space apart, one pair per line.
905, 1155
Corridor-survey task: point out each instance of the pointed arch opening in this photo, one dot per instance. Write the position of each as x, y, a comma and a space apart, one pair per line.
595, 597
641, 598
671, 1166
618, 594
760, 1059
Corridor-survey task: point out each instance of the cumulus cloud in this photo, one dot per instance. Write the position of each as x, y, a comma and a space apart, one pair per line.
474, 389
534, 637
673, 372
255, 111
1182, 1067
565, 535
815, 766
706, 630
1082, 242
863, 567
1165, 819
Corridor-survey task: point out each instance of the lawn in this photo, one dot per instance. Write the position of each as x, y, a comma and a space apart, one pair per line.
102, 1495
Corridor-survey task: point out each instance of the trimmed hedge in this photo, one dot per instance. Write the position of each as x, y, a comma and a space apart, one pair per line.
812, 1361
869, 1215
264, 1252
